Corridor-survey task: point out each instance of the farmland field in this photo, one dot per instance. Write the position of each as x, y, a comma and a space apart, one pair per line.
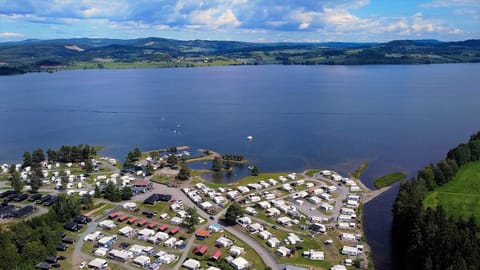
461, 196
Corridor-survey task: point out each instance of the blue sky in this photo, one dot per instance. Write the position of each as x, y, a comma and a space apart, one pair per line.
245, 20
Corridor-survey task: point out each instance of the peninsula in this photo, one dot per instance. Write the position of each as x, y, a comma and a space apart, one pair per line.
103, 216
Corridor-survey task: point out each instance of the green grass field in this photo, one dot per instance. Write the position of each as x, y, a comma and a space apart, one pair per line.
461, 196
388, 179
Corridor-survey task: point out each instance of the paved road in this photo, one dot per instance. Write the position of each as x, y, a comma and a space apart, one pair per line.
79, 256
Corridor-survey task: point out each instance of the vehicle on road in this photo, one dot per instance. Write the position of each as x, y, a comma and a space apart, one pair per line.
83, 265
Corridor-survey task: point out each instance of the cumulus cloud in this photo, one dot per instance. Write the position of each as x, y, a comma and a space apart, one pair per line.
10, 35
451, 3
329, 18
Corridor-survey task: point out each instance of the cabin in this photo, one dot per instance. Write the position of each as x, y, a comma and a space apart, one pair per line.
216, 255
163, 227
200, 251
174, 230
141, 186
82, 219
152, 225
239, 263
132, 220
43, 265
122, 218
72, 226
23, 211
113, 215
202, 234
61, 247
142, 222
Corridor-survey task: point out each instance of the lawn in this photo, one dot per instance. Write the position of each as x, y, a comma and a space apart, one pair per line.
250, 255
461, 196
388, 179
312, 172
358, 172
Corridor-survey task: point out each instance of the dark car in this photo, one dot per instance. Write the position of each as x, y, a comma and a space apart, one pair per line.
211, 217
55, 265
274, 227
298, 248
124, 245
61, 258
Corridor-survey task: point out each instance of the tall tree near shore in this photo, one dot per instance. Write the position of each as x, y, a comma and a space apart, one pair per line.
16, 182
184, 173
217, 164
27, 159
255, 171
233, 211
191, 220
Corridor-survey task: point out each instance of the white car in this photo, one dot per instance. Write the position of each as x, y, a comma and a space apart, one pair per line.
83, 265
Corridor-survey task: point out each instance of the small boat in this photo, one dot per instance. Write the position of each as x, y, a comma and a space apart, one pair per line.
251, 167
250, 137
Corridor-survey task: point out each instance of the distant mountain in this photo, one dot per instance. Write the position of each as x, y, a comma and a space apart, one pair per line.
30, 55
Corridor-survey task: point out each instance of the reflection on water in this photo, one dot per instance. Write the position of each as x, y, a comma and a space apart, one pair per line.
237, 172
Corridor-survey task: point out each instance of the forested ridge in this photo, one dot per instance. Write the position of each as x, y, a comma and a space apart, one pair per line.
425, 238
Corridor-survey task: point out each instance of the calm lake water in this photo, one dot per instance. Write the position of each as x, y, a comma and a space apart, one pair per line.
336, 117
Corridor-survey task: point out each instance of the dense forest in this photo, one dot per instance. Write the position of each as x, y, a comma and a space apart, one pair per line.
26, 243
425, 238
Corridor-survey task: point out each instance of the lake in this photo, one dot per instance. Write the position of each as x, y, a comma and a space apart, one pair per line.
398, 118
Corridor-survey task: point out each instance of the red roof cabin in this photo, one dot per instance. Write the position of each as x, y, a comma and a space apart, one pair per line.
202, 234
174, 230
216, 255
200, 251
122, 218
132, 220
163, 227
142, 222
152, 225
113, 215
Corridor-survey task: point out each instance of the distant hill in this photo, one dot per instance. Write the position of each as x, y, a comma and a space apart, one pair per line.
78, 53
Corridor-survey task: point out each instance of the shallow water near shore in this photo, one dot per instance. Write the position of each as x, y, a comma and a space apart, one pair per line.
398, 118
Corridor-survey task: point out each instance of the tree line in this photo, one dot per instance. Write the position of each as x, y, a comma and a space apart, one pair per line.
428, 238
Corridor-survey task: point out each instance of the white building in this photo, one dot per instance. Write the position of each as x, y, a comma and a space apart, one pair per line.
352, 251
191, 264
239, 263
141, 261
126, 231
283, 251
314, 255
273, 242
98, 264
265, 235
236, 251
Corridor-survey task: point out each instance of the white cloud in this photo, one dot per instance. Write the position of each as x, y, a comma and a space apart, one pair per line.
214, 18
451, 3
11, 35
303, 26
